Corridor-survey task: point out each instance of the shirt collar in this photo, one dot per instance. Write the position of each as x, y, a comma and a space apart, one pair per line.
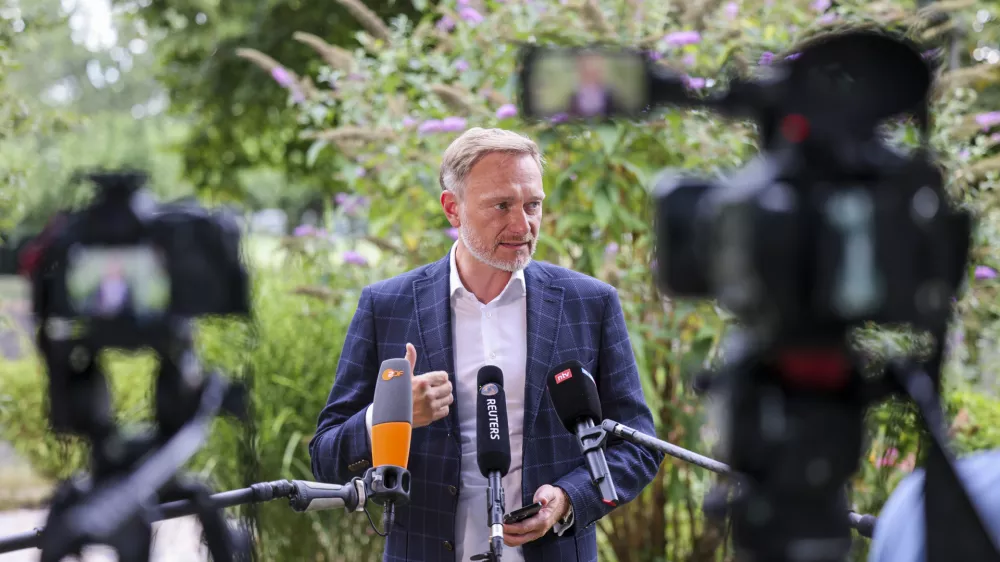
457, 287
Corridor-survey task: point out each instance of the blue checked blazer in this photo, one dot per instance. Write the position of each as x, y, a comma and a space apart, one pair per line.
570, 316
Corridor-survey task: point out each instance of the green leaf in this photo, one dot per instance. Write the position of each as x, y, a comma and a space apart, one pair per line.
313, 153
603, 209
608, 134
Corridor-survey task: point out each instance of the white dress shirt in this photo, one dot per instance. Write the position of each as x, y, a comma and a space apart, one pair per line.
487, 334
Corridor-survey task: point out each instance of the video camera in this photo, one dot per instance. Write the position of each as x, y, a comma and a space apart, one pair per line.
127, 272
828, 229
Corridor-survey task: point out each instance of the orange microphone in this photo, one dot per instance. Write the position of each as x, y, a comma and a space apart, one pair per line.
392, 429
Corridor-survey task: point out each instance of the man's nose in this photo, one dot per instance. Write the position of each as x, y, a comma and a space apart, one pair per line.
520, 223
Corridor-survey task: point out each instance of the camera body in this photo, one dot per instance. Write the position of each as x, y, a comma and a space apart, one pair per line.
128, 265
796, 253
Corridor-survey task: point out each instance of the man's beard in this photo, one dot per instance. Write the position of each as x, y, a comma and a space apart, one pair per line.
486, 253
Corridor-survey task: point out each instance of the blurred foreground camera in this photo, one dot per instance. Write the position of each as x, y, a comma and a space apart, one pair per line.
129, 273
827, 229
127, 264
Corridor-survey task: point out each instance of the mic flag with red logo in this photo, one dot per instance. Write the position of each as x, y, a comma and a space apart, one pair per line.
574, 395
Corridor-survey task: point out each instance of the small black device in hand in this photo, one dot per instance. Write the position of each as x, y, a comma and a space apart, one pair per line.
522, 514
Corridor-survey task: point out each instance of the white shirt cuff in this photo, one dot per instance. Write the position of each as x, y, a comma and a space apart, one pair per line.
562, 526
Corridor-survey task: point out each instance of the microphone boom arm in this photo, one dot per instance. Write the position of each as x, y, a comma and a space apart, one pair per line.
864, 524
303, 496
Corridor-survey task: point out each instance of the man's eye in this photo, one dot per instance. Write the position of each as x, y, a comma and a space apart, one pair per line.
502, 206
535, 205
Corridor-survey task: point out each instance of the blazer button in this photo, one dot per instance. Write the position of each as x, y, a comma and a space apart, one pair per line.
452, 490
448, 545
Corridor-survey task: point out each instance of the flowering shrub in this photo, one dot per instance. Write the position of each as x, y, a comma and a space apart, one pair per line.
386, 111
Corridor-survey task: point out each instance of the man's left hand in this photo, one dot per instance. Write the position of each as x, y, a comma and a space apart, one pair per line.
555, 505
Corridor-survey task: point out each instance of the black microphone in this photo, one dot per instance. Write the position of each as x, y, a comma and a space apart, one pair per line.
493, 448
574, 396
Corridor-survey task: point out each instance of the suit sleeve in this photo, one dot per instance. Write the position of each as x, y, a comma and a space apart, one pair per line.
341, 447
632, 467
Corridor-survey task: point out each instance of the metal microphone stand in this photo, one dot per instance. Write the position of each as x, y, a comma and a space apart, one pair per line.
864, 524
303, 496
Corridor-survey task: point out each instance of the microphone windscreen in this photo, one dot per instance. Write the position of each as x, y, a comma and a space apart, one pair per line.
492, 432
392, 414
574, 394
488, 374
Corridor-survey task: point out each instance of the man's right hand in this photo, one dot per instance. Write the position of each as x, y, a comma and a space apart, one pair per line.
432, 393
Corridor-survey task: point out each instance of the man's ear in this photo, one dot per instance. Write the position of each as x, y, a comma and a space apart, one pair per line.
449, 203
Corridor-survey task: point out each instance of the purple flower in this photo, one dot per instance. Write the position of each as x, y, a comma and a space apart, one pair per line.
732, 10
430, 126
987, 120
985, 272
654, 55
820, 5
964, 154
793, 56
995, 137
827, 18
506, 111
689, 59
461, 65
766, 58
453, 124
681, 38
695, 83
452, 233
297, 95
360, 172
446, 23
341, 198
281, 76
470, 15
463, 2
354, 258
304, 230
931, 53
611, 250
558, 118
409, 122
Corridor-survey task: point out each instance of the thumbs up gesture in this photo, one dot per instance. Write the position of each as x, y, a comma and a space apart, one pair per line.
432, 392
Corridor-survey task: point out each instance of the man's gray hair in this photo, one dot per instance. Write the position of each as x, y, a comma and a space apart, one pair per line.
468, 149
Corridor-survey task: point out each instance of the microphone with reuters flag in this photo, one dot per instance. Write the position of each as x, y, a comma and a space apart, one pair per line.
392, 429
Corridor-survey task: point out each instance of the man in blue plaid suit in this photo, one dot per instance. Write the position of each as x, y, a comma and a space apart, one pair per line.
487, 303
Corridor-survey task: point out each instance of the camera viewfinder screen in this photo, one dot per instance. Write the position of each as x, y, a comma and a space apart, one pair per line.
588, 84
106, 282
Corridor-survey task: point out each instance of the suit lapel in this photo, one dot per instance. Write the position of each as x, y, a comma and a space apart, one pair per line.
433, 305
544, 308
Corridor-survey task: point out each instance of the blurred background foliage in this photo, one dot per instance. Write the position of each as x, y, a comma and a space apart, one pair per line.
337, 114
